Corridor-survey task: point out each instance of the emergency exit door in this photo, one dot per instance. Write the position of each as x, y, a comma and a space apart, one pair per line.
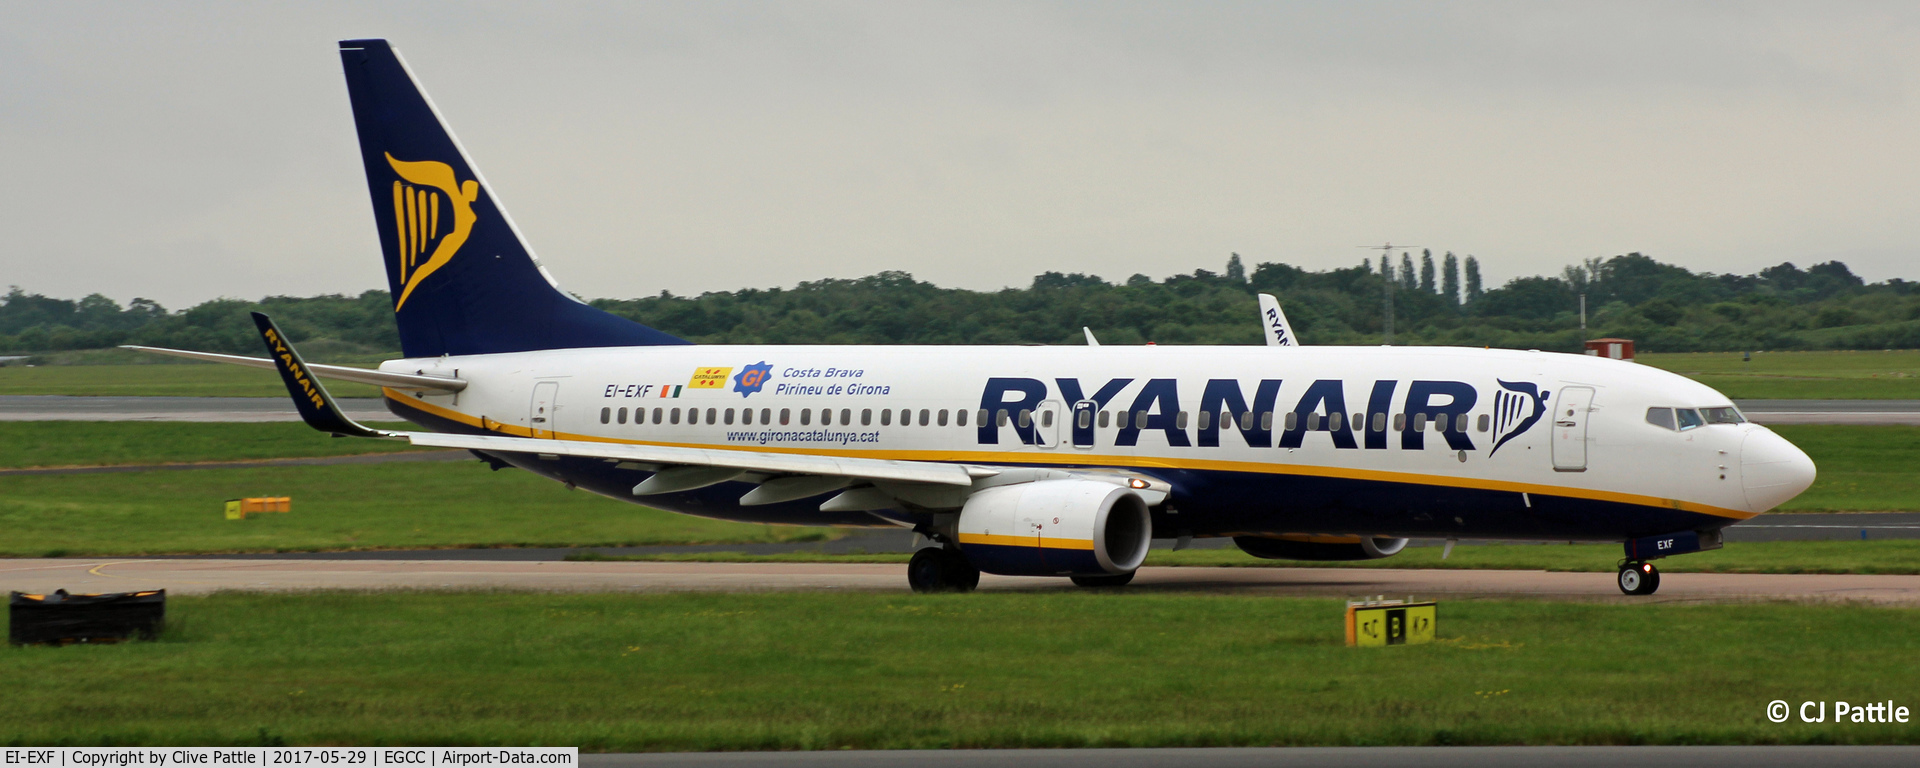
1571, 412
543, 410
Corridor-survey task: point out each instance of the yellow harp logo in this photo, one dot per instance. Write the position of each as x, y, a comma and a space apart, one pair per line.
416, 213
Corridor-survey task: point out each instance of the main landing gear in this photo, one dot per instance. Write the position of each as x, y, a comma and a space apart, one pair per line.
1639, 578
937, 569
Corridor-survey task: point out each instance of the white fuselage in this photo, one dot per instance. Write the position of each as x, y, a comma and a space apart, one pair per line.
1536, 427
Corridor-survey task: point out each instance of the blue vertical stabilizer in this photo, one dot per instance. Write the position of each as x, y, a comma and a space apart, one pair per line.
463, 282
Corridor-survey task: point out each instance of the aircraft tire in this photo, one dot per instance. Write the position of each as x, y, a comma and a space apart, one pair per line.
1117, 580
1639, 578
933, 569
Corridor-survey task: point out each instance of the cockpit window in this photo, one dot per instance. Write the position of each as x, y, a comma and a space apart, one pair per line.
1689, 418
1722, 416
1661, 417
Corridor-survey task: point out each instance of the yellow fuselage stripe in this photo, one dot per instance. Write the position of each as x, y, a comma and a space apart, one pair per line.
1085, 545
1142, 462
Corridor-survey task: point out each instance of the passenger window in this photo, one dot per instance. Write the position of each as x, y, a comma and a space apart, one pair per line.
1722, 416
1083, 419
1688, 418
866, 417
943, 417
1000, 418
1103, 419
606, 415
1206, 420
711, 413
1293, 421
1046, 418
1486, 422
1140, 419
784, 415
621, 416
1440, 423
886, 417
1399, 422
674, 415
1380, 422
806, 416
1333, 421
906, 417
1359, 421
846, 416
981, 413
1266, 420
729, 416
1026, 417
1419, 422
658, 413
766, 416
1246, 421
1659, 417
960, 417
926, 417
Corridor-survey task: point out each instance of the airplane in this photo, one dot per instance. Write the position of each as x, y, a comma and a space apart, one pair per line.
1016, 460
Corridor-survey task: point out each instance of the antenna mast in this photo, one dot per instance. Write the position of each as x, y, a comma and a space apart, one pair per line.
1386, 290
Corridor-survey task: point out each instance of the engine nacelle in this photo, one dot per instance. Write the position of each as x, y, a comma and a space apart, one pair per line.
1066, 527
1323, 548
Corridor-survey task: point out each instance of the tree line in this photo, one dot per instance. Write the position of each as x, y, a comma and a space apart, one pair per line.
1435, 301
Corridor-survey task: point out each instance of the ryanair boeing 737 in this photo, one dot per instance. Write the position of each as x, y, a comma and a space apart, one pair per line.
1056, 461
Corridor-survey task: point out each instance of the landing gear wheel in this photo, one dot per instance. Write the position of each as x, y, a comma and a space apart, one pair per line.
937, 570
1639, 578
1119, 580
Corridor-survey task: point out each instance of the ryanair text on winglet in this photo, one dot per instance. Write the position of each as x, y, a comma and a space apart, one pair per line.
286, 359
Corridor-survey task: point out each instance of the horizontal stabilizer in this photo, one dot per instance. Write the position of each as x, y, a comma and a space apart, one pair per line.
342, 373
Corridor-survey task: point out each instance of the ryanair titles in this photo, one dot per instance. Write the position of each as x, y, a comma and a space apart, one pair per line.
1256, 418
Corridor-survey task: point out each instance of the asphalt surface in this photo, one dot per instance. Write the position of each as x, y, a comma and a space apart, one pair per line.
201, 576
1289, 757
241, 409
62, 408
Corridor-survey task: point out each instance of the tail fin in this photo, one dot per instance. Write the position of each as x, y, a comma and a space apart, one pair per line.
462, 280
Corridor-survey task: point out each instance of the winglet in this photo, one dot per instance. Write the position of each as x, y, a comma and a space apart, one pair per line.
316, 406
1279, 334
1091, 341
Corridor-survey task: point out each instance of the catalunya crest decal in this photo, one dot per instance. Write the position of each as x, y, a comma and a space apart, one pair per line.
417, 216
751, 378
1516, 408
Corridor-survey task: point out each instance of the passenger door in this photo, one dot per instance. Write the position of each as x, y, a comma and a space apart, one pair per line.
544, 409
1571, 412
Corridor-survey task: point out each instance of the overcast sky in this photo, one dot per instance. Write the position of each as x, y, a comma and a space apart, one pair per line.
188, 151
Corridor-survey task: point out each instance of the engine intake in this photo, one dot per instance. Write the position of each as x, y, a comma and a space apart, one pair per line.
1322, 548
1056, 528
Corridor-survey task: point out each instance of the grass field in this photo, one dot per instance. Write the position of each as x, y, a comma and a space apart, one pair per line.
616, 672
384, 506
1892, 556
1890, 375
99, 443
163, 380
462, 504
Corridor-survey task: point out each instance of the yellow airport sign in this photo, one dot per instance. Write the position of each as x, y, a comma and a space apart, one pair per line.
1381, 623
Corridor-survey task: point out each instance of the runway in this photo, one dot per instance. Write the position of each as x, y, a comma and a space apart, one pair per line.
257, 409
188, 576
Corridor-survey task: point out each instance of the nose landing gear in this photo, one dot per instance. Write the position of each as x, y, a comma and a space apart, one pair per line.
1638, 578
936, 569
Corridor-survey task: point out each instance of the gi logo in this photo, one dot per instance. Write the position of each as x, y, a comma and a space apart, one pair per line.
416, 217
1516, 408
751, 378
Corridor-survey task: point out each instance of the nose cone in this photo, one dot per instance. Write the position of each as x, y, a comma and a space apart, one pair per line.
1772, 469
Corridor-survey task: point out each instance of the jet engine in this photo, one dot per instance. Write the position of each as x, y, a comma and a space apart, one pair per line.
1301, 547
1065, 527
